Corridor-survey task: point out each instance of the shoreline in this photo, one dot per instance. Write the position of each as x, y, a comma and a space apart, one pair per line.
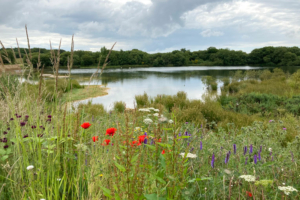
105, 93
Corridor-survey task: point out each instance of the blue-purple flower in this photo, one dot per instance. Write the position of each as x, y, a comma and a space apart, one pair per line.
245, 150
200, 145
213, 161
251, 149
255, 158
234, 148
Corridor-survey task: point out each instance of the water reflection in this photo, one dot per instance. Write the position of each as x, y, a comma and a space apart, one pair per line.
124, 84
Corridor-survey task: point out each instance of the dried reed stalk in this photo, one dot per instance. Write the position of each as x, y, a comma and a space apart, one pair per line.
72, 52
28, 42
20, 55
57, 66
38, 65
6, 54
98, 67
105, 62
53, 58
14, 54
2, 64
40, 83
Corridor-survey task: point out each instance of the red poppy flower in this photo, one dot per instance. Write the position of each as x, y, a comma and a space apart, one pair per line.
95, 138
249, 194
111, 131
142, 138
157, 140
139, 144
163, 152
86, 125
133, 143
106, 142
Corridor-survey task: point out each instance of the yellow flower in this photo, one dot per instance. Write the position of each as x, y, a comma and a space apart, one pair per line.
101, 175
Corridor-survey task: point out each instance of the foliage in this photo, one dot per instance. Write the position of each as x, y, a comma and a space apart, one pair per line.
8, 85
119, 106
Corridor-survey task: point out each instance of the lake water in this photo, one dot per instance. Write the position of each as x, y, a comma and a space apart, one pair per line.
124, 84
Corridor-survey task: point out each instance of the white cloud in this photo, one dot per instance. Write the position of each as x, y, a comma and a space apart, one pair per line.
210, 33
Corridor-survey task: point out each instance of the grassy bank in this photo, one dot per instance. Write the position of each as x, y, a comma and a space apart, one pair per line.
169, 147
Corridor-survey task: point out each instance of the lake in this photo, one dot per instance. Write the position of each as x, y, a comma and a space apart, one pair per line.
124, 84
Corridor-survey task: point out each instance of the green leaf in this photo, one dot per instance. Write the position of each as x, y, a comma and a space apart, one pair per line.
150, 147
134, 159
106, 192
204, 179
164, 144
160, 180
151, 196
185, 137
120, 167
4, 157
2, 152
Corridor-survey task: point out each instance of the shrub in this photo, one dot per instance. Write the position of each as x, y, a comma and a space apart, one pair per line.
119, 106
91, 109
142, 100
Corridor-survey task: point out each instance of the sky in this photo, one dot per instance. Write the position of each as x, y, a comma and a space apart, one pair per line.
151, 25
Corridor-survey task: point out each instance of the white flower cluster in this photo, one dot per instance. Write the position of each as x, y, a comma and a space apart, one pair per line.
171, 121
148, 121
144, 110
138, 129
30, 167
156, 114
189, 155
156, 110
248, 178
287, 189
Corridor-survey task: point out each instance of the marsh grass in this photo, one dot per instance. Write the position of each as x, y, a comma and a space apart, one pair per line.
70, 162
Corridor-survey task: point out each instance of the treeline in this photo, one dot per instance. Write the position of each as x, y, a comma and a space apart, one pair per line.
266, 56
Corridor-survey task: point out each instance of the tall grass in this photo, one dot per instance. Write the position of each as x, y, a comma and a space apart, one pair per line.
175, 149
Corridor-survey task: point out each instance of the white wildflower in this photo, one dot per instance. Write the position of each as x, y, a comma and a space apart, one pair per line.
189, 155
151, 108
156, 110
283, 183
248, 178
59, 179
162, 119
144, 110
148, 121
287, 189
30, 167
138, 129
171, 121
156, 114
270, 149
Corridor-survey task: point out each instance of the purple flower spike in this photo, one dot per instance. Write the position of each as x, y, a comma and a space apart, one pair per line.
4, 132
145, 141
200, 145
4, 140
251, 149
22, 123
246, 161
255, 158
227, 157
234, 148
192, 149
259, 157
49, 116
145, 133
292, 156
152, 142
213, 161
260, 149
6, 146
11, 119
284, 129
245, 150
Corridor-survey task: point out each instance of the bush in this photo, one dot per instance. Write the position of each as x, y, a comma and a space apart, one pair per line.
142, 100
119, 106
91, 109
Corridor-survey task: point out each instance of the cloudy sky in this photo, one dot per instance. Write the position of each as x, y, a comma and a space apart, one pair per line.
152, 25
